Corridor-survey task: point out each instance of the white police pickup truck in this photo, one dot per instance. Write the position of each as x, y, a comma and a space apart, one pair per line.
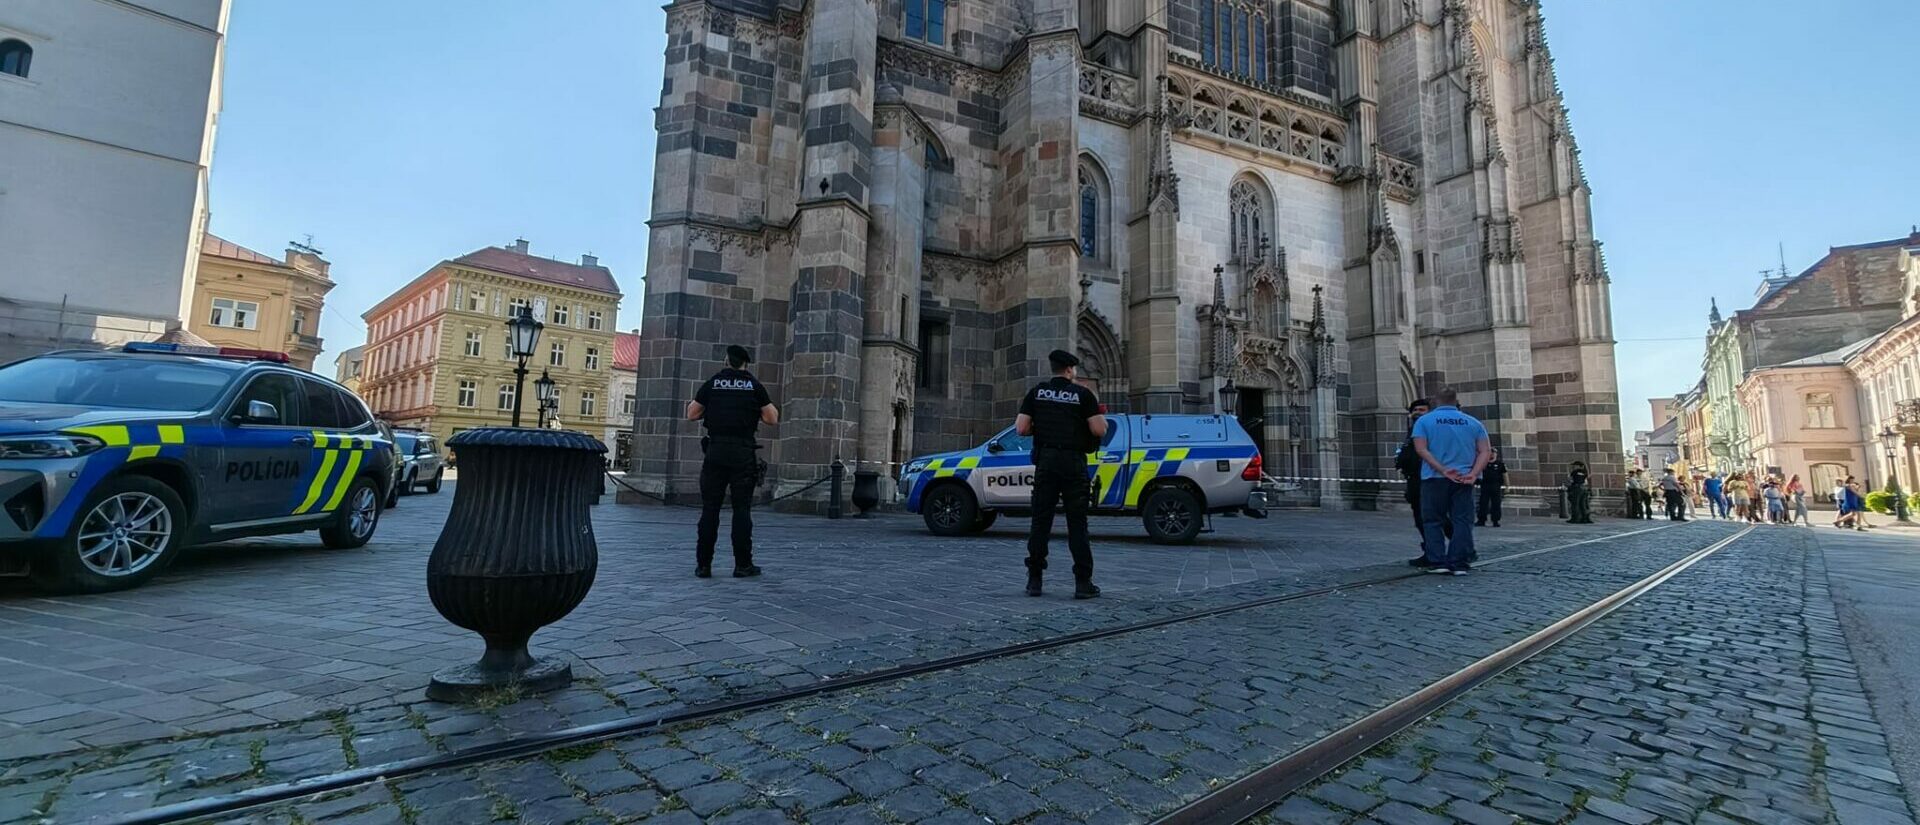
1171, 470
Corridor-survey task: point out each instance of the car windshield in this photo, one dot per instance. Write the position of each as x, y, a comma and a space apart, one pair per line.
403, 442
132, 383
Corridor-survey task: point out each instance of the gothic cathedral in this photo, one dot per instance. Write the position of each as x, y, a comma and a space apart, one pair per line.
1336, 205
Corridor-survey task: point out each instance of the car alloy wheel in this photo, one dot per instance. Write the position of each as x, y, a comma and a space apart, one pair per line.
363, 513
1173, 516
124, 534
946, 510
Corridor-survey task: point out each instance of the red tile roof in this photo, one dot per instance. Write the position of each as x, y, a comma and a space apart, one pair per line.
626, 351
222, 248
596, 278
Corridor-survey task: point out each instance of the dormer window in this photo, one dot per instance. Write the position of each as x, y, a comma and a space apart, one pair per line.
16, 58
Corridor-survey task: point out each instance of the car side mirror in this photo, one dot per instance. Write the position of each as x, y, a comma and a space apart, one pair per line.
259, 412
994, 447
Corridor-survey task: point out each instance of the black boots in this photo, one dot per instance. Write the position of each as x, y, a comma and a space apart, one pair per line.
746, 572
703, 571
1085, 590
1033, 584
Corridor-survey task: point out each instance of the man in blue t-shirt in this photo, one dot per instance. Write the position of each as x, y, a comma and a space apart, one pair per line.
1716, 503
1455, 449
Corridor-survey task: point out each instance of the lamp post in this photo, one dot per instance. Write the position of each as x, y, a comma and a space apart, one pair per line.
1229, 398
542, 392
1891, 439
523, 333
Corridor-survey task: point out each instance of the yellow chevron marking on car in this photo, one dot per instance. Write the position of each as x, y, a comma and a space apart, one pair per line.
346, 480
967, 463
143, 451
1178, 453
1106, 474
319, 440
1142, 473
319, 483
172, 434
115, 435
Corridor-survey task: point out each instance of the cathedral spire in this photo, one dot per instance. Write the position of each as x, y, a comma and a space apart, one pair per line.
1713, 314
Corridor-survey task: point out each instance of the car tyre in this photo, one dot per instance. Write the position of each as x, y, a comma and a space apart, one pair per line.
407, 484
1173, 515
950, 510
433, 487
983, 521
359, 515
127, 531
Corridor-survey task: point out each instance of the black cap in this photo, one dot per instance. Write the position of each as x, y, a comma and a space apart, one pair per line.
738, 355
1062, 359
1420, 402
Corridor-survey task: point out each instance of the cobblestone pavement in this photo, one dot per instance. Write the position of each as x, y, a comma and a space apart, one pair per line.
256, 659
1874, 577
1727, 695
1108, 731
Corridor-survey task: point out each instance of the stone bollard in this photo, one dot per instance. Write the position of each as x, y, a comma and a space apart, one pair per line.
517, 553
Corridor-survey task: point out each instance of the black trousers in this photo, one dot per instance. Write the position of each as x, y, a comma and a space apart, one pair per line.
1489, 505
729, 466
1060, 478
1676, 507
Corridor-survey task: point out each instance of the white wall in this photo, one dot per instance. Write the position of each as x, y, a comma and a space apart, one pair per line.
103, 152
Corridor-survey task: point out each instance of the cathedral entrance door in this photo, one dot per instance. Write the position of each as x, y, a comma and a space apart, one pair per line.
1253, 415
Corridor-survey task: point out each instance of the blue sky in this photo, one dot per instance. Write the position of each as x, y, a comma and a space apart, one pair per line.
402, 133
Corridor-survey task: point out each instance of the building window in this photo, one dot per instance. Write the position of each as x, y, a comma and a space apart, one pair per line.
514, 305
626, 404
927, 21
587, 402
593, 358
1233, 40
235, 314
477, 301
1089, 218
557, 357
562, 312
469, 394
934, 344
474, 343
595, 320
16, 58
299, 322
1246, 221
1820, 410
506, 348
506, 396
1206, 32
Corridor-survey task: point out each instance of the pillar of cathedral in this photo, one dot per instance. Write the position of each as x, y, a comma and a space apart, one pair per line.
892, 286
1153, 288
1040, 151
1378, 323
821, 422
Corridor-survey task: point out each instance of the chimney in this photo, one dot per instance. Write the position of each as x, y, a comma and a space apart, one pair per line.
589, 260
519, 245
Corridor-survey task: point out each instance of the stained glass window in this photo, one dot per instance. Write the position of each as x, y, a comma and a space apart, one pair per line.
927, 20
1206, 32
1089, 220
1243, 56
1260, 49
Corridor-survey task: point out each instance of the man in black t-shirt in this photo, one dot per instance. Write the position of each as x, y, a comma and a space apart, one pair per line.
733, 404
1065, 421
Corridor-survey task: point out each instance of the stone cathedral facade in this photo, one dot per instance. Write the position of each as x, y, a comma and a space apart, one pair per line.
1338, 205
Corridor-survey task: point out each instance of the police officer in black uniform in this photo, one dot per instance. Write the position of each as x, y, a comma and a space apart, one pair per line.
1065, 421
733, 404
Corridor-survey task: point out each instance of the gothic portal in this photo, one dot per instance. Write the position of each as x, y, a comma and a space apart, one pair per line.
903, 205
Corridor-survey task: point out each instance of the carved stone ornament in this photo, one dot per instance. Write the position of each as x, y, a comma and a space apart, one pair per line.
751, 242
921, 62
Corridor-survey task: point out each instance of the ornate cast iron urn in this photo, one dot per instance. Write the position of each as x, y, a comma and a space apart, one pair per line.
517, 552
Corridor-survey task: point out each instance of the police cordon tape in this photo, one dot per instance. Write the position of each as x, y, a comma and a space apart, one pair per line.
662, 499
1345, 480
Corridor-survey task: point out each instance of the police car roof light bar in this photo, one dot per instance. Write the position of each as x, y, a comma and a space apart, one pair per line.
223, 352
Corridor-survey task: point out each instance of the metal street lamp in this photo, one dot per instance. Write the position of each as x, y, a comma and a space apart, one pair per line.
1892, 441
543, 392
523, 333
1229, 398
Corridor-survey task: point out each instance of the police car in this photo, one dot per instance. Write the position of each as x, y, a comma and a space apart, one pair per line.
112, 462
1170, 470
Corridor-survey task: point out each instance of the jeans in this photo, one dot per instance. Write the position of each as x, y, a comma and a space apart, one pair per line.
729, 467
1718, 501
1444, 503
1060, 478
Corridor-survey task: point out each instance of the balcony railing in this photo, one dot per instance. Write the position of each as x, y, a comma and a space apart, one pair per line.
1106, 92
1907, 412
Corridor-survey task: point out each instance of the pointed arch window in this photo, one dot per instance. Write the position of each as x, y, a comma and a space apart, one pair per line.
927, 21
1207, 36
1089, 219
1246, 221
1233, 39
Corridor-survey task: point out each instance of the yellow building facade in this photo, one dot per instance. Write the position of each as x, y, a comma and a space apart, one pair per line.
438, 358
242, 298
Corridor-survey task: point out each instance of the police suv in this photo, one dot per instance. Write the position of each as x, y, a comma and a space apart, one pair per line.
1171, 470
111, 462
